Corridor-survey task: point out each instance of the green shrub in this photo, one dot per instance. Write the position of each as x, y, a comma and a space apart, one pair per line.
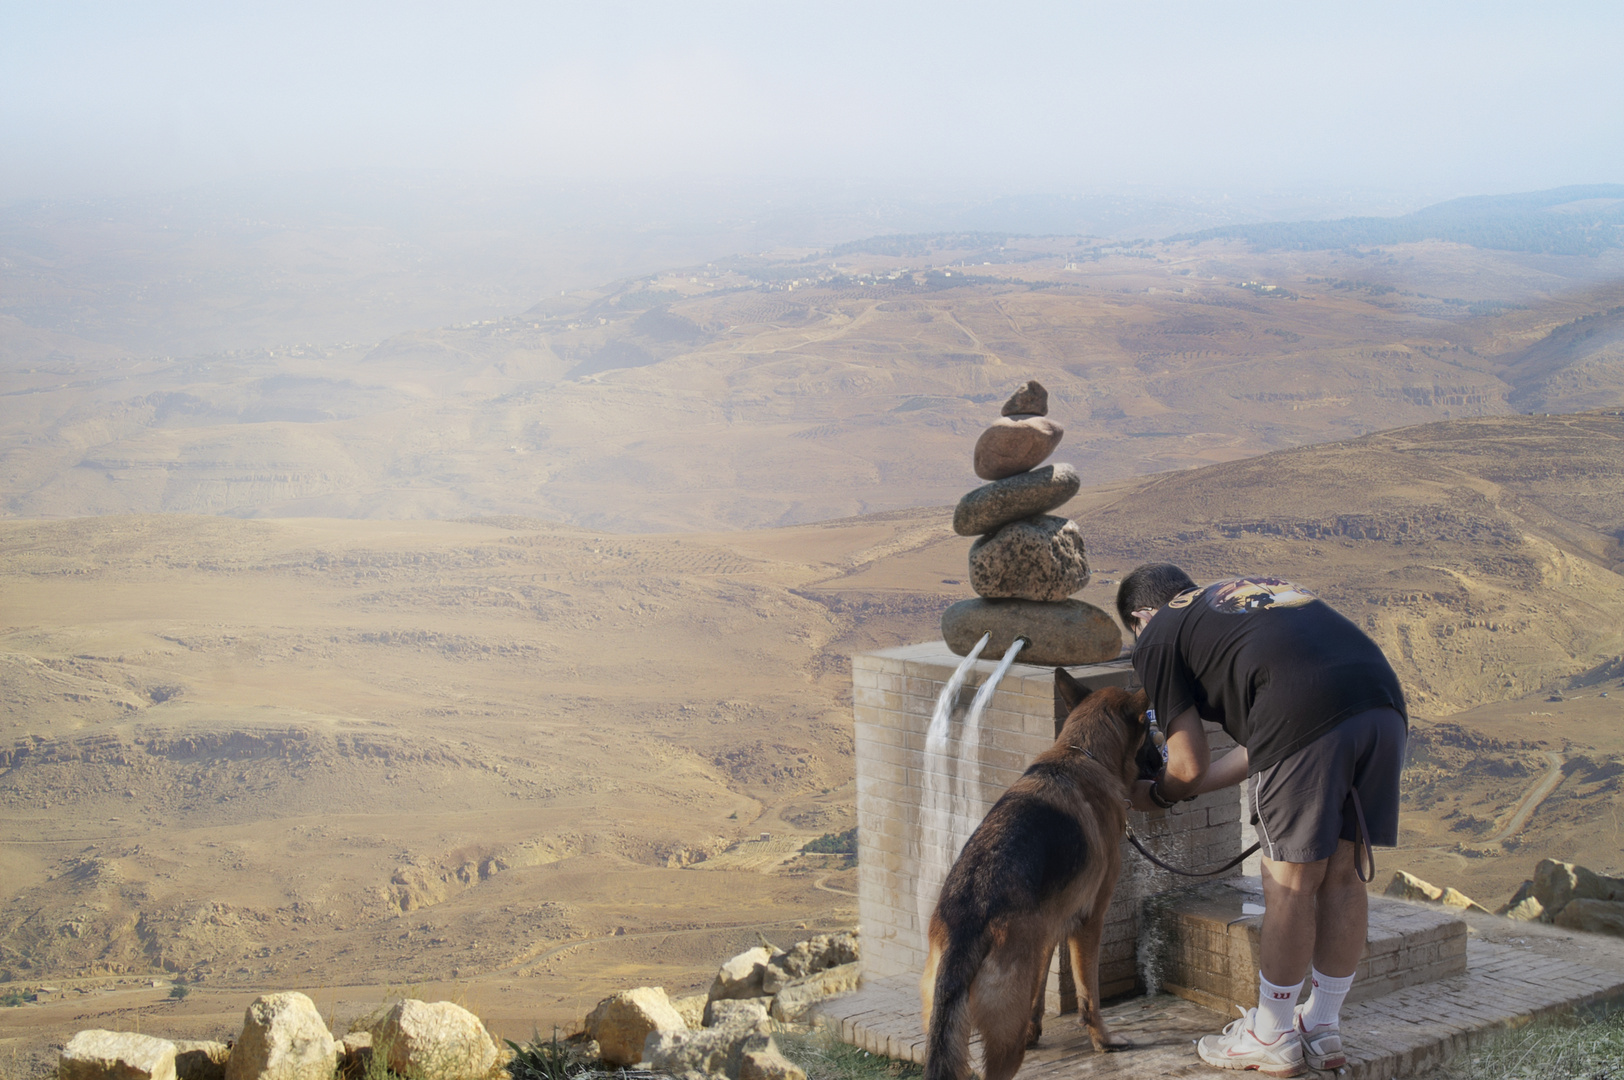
543, 1060
833, 843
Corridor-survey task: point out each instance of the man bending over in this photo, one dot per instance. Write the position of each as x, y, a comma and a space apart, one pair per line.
1321, 724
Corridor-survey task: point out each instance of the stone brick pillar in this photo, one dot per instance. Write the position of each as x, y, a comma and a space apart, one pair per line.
894, 692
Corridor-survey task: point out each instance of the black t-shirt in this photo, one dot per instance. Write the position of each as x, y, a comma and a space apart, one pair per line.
1276, 666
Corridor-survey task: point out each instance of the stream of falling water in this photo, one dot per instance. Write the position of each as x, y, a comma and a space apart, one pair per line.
967, 778
952, 780
933, 809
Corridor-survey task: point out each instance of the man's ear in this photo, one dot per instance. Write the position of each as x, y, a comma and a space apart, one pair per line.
1070, 690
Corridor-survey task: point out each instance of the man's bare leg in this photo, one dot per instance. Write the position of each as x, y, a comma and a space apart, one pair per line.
1343, 916
1290, 918
1317, 912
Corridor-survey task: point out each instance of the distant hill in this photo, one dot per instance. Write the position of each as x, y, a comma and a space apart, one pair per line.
766, 390
1578, 220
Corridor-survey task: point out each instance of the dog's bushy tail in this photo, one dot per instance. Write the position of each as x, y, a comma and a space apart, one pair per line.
947, 1049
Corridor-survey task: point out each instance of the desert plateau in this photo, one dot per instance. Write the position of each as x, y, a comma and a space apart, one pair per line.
510, 659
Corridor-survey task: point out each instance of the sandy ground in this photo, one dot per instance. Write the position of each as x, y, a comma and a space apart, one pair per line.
522, 764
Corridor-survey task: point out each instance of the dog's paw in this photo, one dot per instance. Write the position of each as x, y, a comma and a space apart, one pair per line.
1111, 1044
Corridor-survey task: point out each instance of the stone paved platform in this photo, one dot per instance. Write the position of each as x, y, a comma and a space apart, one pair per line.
1515, 971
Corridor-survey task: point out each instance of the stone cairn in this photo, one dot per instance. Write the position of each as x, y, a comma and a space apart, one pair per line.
1027, 563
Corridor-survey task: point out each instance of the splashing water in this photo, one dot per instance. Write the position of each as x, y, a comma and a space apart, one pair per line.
944, 824
967, 778
933, 811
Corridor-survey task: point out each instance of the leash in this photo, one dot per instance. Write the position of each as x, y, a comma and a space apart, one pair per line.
1362, 841
1236, 861
1361, 846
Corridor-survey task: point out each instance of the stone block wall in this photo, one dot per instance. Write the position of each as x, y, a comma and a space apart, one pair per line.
1209, 941
894, 693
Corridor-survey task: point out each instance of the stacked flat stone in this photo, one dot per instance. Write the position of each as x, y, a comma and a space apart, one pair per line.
1026, 563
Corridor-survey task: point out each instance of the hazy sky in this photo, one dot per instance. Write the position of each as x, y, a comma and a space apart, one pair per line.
1447, 99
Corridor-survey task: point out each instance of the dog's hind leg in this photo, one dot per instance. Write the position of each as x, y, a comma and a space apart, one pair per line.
1002, 1003
1034, 1030
1084, 942
1003, 1055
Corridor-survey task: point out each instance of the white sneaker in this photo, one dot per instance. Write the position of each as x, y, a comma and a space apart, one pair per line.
1239, 1047
1322, 1047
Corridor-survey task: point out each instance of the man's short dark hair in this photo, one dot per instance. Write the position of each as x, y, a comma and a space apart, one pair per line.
1149, 586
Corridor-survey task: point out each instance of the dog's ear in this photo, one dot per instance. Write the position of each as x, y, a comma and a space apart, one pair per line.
1071, 691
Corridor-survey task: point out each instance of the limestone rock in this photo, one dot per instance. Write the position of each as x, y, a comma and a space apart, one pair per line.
1066, 633
1037, 558
1454, 898
116, 1055
1528, 909
702, 1054
195, 1060
792, 1002
768, 1064
806, 957
283, 1038
1524, 892
355, 1053
579, 1050
1406, 886
691, 1007
437, 1039
1014, 445
1592, 916
737, 1012
1020, 496
741, 976
623, 1022
1030, 400
1556, 883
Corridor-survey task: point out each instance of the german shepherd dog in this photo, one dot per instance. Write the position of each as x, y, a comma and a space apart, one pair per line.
1039, 868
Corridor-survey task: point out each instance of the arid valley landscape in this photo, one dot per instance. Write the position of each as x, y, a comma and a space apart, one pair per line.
511, 658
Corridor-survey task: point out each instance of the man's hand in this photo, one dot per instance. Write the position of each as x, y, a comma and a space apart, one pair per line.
1139, 796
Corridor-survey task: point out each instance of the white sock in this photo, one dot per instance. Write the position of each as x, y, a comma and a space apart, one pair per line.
1274, 1008
1325, 1001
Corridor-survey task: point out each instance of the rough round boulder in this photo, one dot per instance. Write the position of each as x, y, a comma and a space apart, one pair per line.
116, 1055
1020, 496
622, 1022
438, 1039
1592, 916
741, 977
201, 1060
1066, 633
1030, 400
283, 1038
1015, 444
1036, 558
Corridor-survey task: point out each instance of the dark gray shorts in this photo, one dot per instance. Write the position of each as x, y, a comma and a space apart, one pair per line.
1303, 805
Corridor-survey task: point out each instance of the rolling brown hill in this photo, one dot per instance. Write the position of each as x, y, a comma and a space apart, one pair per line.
534, 761
812, 385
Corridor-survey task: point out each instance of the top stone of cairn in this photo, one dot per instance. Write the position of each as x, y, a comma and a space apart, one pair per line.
1030, 400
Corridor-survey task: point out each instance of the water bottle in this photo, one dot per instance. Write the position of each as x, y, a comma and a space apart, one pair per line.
1157, 739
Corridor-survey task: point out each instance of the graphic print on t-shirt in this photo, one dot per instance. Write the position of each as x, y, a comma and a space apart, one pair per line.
1242, 595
